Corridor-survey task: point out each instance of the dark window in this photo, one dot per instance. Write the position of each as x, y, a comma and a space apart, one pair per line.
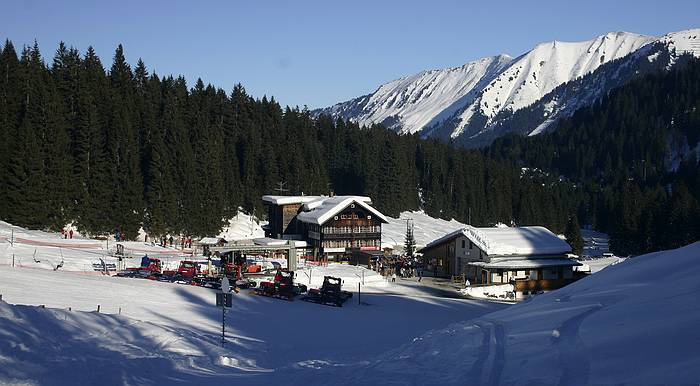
464, 243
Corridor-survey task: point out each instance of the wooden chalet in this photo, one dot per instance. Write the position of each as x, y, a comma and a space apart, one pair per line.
334, 227
533, 259
281, 214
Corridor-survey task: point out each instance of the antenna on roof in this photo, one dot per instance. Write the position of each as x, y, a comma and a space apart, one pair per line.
281, 187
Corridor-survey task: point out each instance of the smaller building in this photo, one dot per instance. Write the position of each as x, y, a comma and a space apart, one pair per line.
532, 259
282, 215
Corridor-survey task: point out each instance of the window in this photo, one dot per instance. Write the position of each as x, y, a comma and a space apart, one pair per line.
369, 217
343, 217
464, 244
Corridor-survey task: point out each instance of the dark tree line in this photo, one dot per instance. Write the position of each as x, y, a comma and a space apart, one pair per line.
634, 156
121, 148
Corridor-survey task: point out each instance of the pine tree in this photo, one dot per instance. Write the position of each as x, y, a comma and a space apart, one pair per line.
573, 235
410, 241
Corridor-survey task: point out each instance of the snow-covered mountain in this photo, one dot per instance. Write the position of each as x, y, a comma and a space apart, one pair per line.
466, 103
409, 104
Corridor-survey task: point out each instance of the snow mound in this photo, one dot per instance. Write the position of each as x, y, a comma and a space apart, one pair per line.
242, 227
632, 323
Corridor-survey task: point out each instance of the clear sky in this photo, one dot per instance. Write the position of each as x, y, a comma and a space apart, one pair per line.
317, 53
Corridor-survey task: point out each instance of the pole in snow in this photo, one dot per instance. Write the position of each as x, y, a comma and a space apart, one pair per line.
359, 293
224, 299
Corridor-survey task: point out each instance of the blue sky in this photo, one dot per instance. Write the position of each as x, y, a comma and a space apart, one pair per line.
317, 53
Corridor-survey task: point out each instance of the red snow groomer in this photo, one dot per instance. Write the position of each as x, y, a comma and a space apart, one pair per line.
329, 294
282, 287
188, 269
150, 268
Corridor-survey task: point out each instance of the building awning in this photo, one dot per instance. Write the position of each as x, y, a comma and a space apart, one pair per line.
525, 264
270, 242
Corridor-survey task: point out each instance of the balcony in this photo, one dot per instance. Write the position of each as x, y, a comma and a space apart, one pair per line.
346, 236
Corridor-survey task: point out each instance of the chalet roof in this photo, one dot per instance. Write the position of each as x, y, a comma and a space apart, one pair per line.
323, 209
505, 241
525, 263
286, 200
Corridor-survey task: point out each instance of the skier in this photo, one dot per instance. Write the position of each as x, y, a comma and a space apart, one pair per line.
71, 233
393, 277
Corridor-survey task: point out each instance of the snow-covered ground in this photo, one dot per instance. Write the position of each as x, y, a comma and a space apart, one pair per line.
634, 323
37, 249
169, 333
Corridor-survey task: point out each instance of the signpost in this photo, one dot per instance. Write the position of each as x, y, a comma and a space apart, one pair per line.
224, 299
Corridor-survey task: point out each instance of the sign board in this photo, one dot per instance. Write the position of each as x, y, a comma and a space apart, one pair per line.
225, 286
224, 299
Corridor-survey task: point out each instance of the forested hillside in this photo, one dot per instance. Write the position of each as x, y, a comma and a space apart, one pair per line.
120, 148
634, 154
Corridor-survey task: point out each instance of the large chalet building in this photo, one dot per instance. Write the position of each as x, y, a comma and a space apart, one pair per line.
332, 226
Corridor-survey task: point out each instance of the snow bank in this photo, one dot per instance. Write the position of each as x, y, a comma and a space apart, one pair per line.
242, 227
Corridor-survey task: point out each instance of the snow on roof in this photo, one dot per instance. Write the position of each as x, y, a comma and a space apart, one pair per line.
284, 200
323, 209
211, 240
270, 242
510, 240
526, 263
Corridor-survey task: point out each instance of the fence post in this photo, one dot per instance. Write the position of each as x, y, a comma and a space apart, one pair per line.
359, 293
120, 310
98, 308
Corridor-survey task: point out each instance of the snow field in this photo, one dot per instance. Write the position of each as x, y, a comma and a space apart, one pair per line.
168, 331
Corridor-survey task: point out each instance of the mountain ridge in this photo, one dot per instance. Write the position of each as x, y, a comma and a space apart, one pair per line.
464, 103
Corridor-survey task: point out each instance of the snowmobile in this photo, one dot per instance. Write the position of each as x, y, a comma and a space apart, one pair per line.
282, 287
329, 294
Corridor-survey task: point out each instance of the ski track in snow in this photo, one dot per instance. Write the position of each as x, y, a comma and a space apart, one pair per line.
574, 358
